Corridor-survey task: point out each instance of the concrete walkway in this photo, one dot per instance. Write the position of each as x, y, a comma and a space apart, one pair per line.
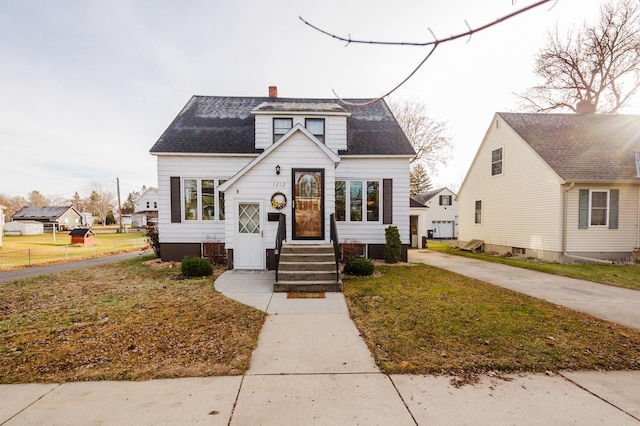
311, 367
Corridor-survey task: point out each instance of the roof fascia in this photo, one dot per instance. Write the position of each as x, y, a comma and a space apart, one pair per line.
202, 154
306, 113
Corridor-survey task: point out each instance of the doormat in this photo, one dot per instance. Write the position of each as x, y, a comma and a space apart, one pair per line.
304, 295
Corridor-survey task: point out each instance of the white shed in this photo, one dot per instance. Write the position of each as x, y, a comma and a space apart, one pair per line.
23, 227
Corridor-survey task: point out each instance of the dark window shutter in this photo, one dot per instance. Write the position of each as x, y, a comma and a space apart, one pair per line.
583, 209
613, 208
175, 199
387, 201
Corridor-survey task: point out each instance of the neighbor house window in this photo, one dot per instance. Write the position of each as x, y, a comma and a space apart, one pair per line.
496, 162
221, 200
315, 126
598, 208
148, 205
281, 126
360, 198
478, 212
445, 200
199, 199
155, 204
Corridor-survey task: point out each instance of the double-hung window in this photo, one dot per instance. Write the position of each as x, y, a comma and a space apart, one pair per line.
358, 200
598, 208
315, 126
496, 162
199, 199
281, 126
445, 200
478, 212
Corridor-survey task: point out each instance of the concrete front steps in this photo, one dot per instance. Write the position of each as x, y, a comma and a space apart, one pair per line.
307, 268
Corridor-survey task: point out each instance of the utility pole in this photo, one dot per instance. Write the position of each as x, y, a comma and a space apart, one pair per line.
119, 207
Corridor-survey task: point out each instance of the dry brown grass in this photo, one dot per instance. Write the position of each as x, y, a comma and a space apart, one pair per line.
125, 321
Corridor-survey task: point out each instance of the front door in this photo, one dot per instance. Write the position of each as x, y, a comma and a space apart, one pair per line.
308, 204
249, 251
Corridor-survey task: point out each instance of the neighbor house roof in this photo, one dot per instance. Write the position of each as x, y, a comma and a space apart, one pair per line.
417, 204
582, 147
225, 125
42, 213
423, 197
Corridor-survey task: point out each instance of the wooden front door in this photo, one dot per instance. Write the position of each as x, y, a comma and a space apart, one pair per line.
308, 204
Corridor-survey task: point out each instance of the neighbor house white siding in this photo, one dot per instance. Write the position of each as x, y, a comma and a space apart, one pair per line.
438, 216
521, 207
203, 167
596, 239
377, 169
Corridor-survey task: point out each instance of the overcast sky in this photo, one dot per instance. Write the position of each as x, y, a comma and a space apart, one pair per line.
87, 87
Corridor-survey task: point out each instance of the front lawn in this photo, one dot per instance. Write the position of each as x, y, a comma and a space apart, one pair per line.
123, 321
425, 320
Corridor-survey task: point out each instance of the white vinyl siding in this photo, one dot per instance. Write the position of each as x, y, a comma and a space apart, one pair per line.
192, 231
335, 128
523, 210
377, 169
600, 238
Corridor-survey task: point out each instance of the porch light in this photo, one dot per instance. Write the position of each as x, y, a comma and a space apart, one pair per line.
278, 169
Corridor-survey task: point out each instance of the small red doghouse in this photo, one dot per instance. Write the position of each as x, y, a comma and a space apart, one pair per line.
82, 236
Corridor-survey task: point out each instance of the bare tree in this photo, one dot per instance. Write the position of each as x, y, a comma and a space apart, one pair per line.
101, 201
596, 69
429, 137
13, 204
35, 198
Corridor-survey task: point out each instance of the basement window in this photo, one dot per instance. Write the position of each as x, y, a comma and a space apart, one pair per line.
518, 251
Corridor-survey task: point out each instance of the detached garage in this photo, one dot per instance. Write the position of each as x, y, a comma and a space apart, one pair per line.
24, 227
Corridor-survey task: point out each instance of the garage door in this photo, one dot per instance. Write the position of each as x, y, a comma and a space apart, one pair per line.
443, 228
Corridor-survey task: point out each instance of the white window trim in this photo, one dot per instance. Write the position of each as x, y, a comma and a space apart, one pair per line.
216, 184
347, 203
608, 209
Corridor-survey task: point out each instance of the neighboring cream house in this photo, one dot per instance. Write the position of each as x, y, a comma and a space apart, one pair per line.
555, 186
440, 218
228, 167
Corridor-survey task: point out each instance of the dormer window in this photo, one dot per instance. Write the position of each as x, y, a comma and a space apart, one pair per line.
281, 126
315, 126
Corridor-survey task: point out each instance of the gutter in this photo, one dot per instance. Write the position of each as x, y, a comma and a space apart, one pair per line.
564, 230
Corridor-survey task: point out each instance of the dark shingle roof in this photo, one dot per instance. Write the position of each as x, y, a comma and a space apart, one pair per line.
582, 147
40, 213
225, 125
423, 197
415, 203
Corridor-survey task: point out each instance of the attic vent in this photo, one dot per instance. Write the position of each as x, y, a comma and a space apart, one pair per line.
638, 164
497, 123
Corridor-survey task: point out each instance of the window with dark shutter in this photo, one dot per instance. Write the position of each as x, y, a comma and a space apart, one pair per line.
174, 193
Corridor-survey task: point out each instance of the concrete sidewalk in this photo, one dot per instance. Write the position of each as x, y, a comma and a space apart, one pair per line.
311, 367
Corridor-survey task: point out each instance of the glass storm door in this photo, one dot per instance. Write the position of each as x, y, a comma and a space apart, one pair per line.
308, 205
249, 252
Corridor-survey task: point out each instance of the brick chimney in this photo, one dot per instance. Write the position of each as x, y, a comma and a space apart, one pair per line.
273, 91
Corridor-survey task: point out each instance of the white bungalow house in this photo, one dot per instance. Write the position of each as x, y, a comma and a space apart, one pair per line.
440, 217
145, 208
230, 169
555, 186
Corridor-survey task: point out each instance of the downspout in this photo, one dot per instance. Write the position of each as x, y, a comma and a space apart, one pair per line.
564, 231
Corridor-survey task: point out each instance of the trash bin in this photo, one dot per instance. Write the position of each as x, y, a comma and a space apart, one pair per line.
429, 233
424, 243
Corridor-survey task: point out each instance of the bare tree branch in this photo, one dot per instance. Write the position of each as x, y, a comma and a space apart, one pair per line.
434, 44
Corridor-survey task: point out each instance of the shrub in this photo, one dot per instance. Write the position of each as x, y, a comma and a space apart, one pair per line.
358, 266
196, 267
154, 237
393, 246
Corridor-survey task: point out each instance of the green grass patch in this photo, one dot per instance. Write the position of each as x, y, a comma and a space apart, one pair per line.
627, 276
424, 320
123, 321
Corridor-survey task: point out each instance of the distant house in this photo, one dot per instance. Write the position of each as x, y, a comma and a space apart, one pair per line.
82, 236
555, 186
127, 217
440, 220
146, 208
63, 217
2, 209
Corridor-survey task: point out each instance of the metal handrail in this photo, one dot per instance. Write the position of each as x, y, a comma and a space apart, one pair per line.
281, 235
333, 233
